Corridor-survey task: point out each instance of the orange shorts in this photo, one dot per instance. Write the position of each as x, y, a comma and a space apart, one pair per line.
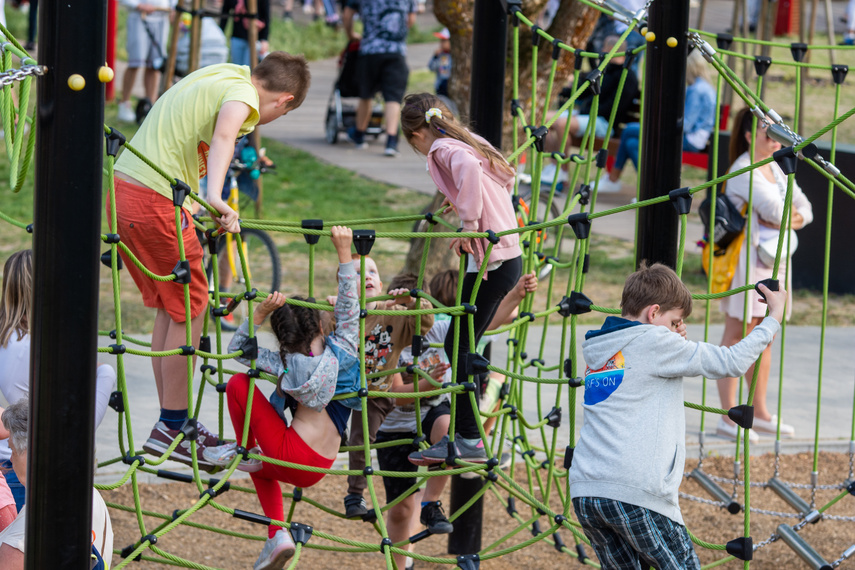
146, 225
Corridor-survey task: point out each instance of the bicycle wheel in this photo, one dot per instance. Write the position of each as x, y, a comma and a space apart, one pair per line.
262, 259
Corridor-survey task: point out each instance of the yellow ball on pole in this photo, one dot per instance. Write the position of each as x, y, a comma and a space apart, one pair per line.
650, 37
76, 82
672, 42
105, 74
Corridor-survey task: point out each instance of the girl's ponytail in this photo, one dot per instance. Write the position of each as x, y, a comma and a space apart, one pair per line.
420, 110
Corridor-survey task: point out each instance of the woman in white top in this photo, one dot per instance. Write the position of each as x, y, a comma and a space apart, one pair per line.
767, 186
15, 307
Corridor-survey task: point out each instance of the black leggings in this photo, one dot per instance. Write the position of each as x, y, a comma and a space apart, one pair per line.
490, 295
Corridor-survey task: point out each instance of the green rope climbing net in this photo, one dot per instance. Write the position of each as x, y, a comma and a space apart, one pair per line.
542, 381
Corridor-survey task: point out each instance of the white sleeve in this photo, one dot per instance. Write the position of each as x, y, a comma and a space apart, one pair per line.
105, 383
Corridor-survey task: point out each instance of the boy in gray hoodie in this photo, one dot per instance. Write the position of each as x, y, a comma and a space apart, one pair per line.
628, 463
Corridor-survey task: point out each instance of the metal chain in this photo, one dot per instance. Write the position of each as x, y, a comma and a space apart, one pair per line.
846, 554
702, 500
741, 483
838, 518
776, 513
766, 542
13, 75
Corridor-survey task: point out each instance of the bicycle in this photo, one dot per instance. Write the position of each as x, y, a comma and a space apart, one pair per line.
259, 250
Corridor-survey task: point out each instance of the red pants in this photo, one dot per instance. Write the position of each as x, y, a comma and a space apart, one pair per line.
277, 441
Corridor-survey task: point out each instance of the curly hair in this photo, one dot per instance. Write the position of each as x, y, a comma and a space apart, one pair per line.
295, 327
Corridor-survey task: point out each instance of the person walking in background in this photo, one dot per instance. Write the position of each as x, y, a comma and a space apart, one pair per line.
236, 10
767, 187
147, 34
440, 63
382, 63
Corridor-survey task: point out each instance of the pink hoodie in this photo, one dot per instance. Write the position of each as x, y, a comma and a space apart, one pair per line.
480, 192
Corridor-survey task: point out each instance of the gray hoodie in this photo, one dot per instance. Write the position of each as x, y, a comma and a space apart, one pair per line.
632, 444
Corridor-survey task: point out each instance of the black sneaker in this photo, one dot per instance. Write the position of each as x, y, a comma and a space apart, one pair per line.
355, 507
433, 517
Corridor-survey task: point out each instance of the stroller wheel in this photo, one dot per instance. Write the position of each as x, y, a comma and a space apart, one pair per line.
331, 127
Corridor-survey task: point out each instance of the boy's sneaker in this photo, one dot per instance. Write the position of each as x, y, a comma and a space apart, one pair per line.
355, 507
471, 450
391, 146
849, 40
436, 453
607, 186
357, 138
391, 151
276, 551
222, 456
161, 438
433, 517
127, 114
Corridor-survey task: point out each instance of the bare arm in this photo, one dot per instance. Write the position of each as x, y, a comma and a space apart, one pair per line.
11, 558
229, 122
507, 309
347, 21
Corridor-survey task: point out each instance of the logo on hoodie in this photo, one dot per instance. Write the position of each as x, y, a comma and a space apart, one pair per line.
602, 383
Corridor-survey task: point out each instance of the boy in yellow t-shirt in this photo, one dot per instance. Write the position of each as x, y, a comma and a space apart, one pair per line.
190, 132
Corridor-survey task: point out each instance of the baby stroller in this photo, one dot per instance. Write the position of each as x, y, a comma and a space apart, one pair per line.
340, 114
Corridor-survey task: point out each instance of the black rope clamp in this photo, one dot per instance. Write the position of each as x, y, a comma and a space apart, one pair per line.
602, 157
212, 237
312, 239
150, 538
723, 41
107, 260
363, 313
492, 237
249, 348
181, 271
539, 134
513, 411
553, 418
384, 544
594, 79
559, 519
584, 193
362, 392
581, 224
576, 304
851, 488
220, 388
511, 508
469, 309
742, 548
429, 219
515, 107
798, 49
116, 401
112, 238
180, 191
771, 284
576, 382
297, 494
187, 350
580, 552
568, 457
526, 315
577, 59
512, 7
535, 528
253, 293
628, 59
207, 368
786, 159
468, 562
476, 363
535, 37
205, 343
556, 48
761, 64
838, 73
558, 542
568, 367
115, 139
113, 333
419, 345
418, 440
742, 415
681, 199
29, 228
129, 459
253, 373
301, 533
118, 349
586, 263
190, 429
363, 240
126, 551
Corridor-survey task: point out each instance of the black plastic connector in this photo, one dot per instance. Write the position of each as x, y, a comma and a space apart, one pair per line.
253, 293
126, 551
535, 37
362, 392
419, 345
187, 350
568, 456
115, 140
526, 315
515, 106
535, 528
851, 488
594, 79
469, 562
771, 284
205, 343
724, 41
581, 224
363, 240
221, 388
297, 494
553, 418
312, 239
513, 409
429, 219
602, 158
249, 348
741, 548
558, 542
586, 263
367, 470
251, 517
492, 237
584, 193
107, 260
363, 313
190, 429
180, 191
112, 238
181, 271
511, 508
576, 304
681, 199
116, 401
742, 415
838, 73
476, 363
580, 552
786, 159
469, 309
150, 538
212, 238
568, 367
418, 440
129, 459
576, 382
539, 134
577, 59
118, 349
761, 64
799, 50
301, 533
556, 49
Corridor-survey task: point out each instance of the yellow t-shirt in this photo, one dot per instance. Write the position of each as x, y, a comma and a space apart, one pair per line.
177, 132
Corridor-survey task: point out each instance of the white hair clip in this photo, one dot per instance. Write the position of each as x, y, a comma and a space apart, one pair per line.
432, 112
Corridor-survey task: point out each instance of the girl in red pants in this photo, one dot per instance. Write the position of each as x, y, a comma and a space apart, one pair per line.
308, 383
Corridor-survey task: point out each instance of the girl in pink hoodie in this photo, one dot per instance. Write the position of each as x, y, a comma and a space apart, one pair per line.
477, 182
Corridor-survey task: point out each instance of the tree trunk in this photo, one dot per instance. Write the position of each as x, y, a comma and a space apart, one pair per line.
573, 20
440, 256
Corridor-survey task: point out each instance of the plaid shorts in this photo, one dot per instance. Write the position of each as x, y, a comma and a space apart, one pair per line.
630, 537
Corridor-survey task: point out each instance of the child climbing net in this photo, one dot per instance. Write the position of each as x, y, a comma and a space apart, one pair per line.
545, 448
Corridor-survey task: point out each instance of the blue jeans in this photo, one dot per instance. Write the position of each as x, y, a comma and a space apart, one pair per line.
240, 51
628, 148
18, 491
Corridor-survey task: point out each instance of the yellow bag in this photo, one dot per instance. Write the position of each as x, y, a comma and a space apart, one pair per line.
724, 263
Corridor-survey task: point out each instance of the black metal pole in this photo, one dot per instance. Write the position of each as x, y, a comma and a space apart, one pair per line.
662, 142
65, 285
486, 112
